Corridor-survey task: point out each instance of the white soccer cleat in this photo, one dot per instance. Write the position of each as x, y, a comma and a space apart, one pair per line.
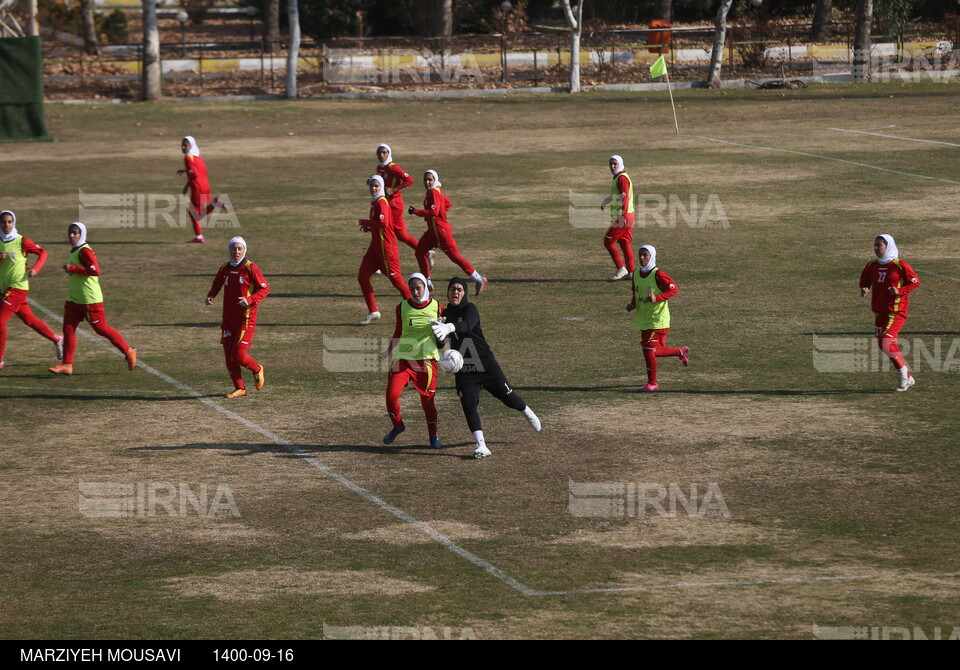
481, 452
619, 274
59, 345
906, 383
532, 419
370, 318
429, 284
433, 252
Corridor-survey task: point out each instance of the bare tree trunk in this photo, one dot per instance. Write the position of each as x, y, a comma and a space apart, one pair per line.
719, 37
861, 41
293, 53
150, 89
822, 18
33, 27
446, 20
271, 26
663, 9
89, 27
575, 21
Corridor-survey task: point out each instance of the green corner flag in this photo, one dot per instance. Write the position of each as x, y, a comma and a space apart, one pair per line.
659, 68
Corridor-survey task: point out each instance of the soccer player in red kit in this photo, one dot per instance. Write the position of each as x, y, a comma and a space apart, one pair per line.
416, 355
620, 231
395, 179
892, 281
14, 282
382, 254
439, 233
199, 186
244, 288
85, 301
652, 288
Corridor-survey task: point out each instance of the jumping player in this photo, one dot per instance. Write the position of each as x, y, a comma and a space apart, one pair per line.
382, 254
620, 231
14, 282
652, 288
892, 281
85, 301
395, 179
439, 233
199, 186
480, 367
415, 360
244, 288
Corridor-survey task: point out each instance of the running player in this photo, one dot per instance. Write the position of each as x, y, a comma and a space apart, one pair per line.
620, 231
244, 288
439, 233
892, 281
415, 357
652, 288
395, 179
85, 301
199, 186
480, 367
14, 282
382, 254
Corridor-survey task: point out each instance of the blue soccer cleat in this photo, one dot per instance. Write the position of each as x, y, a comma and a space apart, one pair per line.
435, 442
392, 435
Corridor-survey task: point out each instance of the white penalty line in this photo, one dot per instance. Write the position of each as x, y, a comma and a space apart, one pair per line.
894, 137
439, 537
821, 157
844, 253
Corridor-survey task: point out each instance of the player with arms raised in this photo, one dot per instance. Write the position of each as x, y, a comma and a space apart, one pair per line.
892, 281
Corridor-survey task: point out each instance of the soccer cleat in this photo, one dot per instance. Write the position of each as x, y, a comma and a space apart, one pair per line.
62, 369
392, 435
218, 203
237, 393
196, 240
479, 285
532, 419
906, 383
649, 388
619, 274
435, 442
481, 452
370, 318
59, 346
258, 379
684, 356
433, 252
131, 357
378, 272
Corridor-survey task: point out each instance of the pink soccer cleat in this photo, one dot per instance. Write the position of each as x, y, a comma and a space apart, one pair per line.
649, 388
684, 356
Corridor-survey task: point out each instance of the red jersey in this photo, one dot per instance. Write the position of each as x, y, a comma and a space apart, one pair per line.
243, 281
394, 177
380, 224
435, 206
90, 266
880, 278
196, 171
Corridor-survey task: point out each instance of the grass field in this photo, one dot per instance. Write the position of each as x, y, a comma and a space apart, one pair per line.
841, 493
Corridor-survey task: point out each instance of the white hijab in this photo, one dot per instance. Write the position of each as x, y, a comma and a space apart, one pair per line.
620, 167
13, 233
653, 258
426, 287
436, 178
194, 150
891, 252
234, 240
383, 189
83, 234
389, 155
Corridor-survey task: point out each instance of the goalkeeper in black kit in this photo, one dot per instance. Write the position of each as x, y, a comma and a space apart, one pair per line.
480, 369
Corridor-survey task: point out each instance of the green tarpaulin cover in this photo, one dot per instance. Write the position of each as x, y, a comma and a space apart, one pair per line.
21, 89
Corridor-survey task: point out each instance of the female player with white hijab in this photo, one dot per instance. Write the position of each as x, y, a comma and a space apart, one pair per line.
620, 231
892, 280
395, 179
15, 284
199, 186
244, 288
382, 255
652, 287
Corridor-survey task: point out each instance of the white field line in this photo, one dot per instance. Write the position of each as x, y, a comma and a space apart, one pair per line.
821, 157
444, 540
333, 474
895, 137
865, 258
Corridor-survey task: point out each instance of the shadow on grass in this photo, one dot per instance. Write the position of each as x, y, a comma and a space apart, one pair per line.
903, 334
636, 389
86, 397
216, 325
311, 450
272, 275
528, 280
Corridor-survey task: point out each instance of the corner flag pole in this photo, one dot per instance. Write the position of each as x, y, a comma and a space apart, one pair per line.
674, 107
659, 69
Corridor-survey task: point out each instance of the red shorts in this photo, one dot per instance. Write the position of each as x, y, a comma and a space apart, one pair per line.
13, 300
888, 325
653, 338
422, 374
238, 334
75, 313
621, 232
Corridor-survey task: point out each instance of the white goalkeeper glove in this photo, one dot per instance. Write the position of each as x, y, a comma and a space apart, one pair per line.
440, 329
